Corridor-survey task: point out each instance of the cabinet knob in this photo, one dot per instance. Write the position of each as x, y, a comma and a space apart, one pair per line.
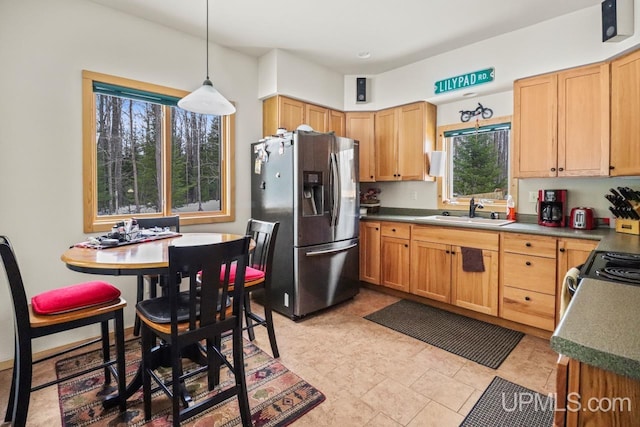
447, 252
553, 169
528, 263
528, 244
561, 249
406, 246
611, 167
560, 169
377, 229
371, 176
527, 299
393, 229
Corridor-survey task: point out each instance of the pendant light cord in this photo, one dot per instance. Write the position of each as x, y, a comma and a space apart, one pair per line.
207, 39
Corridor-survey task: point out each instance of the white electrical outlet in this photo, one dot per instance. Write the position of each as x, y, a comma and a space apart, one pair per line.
533, 196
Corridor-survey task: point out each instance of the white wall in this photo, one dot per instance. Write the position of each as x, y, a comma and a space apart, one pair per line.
44, 46
285, 74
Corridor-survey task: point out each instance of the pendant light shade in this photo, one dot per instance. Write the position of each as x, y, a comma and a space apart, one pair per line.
206, 99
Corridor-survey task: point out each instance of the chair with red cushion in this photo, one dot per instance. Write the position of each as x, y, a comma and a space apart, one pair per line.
264, 235
55, 311
172, 223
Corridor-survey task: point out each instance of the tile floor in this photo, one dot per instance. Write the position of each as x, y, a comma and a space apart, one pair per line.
371, 376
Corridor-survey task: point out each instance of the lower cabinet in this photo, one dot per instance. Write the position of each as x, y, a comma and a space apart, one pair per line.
590, 396
370, 252
438, 271
522, 274
394, 255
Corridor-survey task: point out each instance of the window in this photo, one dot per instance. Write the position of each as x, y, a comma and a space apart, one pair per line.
144, 156
477, 164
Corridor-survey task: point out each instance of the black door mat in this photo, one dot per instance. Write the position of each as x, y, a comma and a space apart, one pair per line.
479, 341
505, 404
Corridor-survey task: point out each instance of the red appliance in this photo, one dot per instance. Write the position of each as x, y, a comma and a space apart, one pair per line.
582, 219
552, 205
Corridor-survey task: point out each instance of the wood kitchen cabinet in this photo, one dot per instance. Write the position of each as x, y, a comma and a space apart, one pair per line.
561, 123
402, 137
528, 280
571, 253
370, 252
591, 396
317, 117
282, 112
625, 110
337, 123
437, 269
394, 255
360, 126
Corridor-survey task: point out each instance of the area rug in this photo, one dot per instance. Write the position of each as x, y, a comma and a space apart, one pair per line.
277, 396
505, 404
479, 341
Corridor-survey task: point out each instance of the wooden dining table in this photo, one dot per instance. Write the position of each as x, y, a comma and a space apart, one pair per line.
144, 258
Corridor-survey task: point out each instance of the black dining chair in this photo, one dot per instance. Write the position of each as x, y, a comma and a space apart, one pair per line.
54, 311
208, 310
264, 235
170, 222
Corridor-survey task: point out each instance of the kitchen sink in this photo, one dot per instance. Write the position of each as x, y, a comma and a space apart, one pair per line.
466, 220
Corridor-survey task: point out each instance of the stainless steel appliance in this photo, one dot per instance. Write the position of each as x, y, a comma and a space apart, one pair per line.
308, 181
618, 267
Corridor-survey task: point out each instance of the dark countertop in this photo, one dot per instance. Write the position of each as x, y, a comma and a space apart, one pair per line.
600, 326
516, 227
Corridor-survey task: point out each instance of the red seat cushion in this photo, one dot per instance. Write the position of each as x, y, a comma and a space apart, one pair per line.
250, 273
74, 297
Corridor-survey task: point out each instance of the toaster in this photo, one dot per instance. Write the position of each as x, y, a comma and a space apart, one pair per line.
582, 218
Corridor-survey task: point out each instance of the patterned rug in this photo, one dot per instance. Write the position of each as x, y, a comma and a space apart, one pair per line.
479, 341
277, 396
505, 404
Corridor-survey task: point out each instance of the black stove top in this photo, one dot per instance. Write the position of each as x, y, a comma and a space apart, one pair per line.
612, 266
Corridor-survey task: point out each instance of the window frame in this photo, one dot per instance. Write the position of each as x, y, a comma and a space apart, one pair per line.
462, 203
94, 223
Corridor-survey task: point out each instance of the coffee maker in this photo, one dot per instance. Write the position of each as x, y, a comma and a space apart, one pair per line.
552, 205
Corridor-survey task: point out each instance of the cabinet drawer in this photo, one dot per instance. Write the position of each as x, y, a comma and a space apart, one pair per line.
529, 244
401, 231
533, 273
528, 307
487, 240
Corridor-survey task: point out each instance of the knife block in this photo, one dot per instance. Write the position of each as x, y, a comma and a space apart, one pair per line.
628, 226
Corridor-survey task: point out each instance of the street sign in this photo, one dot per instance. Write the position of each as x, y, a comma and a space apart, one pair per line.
465, 80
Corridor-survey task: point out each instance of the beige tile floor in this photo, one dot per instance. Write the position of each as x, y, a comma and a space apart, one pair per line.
371, 376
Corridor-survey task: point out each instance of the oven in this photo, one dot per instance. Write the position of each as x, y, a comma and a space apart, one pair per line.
612, 266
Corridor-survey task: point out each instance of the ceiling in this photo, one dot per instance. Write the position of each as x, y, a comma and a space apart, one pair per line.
333, 32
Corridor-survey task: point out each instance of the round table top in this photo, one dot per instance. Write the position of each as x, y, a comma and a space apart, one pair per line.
139, 258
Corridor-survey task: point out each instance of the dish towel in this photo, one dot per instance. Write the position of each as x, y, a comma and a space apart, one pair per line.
472, 260
570, 279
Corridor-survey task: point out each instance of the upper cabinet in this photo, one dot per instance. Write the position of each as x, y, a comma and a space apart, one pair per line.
337, 122
360, 126
282, 112
402, 137
625, 110
561, 123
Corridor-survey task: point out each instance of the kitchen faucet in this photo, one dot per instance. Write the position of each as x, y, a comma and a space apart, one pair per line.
473, 206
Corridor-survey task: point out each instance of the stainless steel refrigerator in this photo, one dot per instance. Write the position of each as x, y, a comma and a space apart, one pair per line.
309, 182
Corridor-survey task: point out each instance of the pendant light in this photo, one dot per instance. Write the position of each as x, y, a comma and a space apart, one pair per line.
206, 99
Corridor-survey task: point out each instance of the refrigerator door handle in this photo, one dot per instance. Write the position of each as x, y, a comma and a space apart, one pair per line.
335, 190
330, 251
